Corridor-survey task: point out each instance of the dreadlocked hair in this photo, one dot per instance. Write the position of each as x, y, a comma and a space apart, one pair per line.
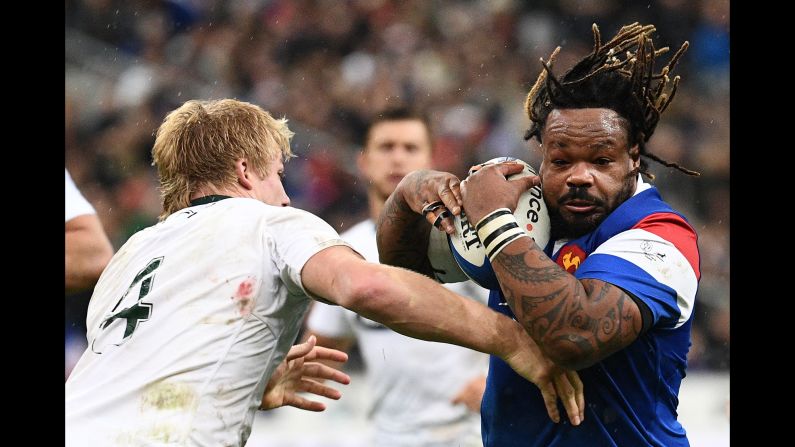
617, 75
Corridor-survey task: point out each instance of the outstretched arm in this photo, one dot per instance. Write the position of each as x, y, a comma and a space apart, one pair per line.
418, 307
296, 373
403, 230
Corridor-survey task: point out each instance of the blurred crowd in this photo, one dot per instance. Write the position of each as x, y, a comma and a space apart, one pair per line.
329, 65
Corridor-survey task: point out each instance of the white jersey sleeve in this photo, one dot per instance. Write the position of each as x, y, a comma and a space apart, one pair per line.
292, 246
76, 204
335, 321
657, 261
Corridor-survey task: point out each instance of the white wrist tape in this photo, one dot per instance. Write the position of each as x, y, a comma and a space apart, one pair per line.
497, 230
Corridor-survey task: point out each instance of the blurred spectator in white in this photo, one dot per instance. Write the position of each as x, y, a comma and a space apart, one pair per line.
88, 249
422, 394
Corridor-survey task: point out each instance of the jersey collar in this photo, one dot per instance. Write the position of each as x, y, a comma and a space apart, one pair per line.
208, 199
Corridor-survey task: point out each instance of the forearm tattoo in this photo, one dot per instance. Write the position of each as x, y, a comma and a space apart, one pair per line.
583, 321
516, 266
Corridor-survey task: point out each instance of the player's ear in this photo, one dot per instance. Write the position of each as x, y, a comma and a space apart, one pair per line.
634, 155
242, 170
361, 163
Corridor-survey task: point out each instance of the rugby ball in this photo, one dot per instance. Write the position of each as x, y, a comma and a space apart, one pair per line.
531, 215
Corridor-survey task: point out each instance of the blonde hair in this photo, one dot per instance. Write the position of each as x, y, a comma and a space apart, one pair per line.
199, 143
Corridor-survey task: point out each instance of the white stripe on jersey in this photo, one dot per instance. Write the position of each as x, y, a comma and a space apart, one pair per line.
660, 259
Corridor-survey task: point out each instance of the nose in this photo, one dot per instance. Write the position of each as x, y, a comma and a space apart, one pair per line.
399, 155
285, 200
580, 176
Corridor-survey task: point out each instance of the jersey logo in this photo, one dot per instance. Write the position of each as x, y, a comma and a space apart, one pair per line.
137, 311
570, 258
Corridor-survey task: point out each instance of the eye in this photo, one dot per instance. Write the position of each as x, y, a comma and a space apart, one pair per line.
559, 162
281, 175
603, 161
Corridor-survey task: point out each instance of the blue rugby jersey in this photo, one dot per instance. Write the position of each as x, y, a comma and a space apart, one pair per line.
649, 250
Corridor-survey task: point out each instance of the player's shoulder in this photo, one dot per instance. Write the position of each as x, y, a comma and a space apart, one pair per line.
644, 208
270, 213
660, 218
662, 225
670, 220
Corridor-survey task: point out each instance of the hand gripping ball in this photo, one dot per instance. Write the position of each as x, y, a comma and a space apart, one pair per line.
531, 215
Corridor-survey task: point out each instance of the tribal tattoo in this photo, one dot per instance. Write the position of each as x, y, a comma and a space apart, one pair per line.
576, 322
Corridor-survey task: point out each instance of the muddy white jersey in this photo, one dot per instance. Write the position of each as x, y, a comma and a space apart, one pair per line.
188, 322
412, 382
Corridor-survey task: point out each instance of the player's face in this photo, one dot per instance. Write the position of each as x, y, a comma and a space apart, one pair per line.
587, 169
394, 149
270, 189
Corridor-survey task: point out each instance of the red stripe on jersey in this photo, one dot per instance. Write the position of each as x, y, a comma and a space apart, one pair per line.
677, 231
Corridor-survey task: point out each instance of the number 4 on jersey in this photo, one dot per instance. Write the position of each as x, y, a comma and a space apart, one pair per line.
138, 311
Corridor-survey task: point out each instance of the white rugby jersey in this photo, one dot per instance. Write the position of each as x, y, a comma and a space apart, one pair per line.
188, 322
75, 203
411, 381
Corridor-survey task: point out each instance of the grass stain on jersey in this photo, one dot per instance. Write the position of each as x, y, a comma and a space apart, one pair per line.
168, 396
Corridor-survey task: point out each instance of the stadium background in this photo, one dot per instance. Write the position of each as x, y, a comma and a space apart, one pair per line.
328, 65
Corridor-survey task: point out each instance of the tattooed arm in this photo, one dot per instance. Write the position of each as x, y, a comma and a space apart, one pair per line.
402, 236
575, 322
402, 231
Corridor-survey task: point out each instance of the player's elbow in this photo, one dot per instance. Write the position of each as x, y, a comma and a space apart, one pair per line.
569, 351
367, 292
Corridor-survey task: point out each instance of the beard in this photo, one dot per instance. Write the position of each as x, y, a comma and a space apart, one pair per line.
574, 226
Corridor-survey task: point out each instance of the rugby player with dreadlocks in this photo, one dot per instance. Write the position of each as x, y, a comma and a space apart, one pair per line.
611, 296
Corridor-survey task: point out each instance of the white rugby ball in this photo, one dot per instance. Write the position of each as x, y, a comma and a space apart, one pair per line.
531, 215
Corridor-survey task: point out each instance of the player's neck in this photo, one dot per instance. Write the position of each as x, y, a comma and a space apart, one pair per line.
375, 202
212, 190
